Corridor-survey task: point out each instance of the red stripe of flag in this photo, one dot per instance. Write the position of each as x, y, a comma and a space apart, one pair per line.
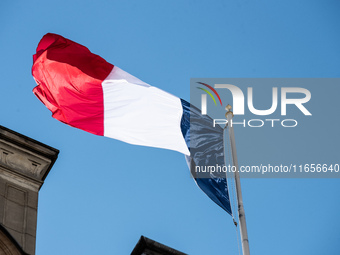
78, 102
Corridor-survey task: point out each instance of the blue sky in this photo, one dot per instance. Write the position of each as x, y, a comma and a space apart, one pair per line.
102, 194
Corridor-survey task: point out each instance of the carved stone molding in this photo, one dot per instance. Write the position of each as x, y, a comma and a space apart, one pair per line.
8, 245
24, 165
24, 155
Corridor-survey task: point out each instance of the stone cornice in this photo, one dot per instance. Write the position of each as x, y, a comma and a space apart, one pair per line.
25, 156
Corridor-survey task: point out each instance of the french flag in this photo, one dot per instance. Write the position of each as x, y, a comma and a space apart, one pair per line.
83, 90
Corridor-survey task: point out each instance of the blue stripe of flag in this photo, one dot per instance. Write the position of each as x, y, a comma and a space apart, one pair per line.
206, 146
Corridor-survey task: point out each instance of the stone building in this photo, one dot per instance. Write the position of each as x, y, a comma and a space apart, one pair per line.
24, 165
146, 246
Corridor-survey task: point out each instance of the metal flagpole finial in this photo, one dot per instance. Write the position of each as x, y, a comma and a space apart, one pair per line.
228, 108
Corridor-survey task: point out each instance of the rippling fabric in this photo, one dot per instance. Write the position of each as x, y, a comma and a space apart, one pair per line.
206, 146
83, 90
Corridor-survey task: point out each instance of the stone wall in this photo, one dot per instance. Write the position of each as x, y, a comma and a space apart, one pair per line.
24, 165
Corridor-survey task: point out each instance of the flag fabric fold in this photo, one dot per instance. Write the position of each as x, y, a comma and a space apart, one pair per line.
206, 145
83, 90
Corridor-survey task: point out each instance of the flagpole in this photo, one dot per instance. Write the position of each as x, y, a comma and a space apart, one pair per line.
241, 213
